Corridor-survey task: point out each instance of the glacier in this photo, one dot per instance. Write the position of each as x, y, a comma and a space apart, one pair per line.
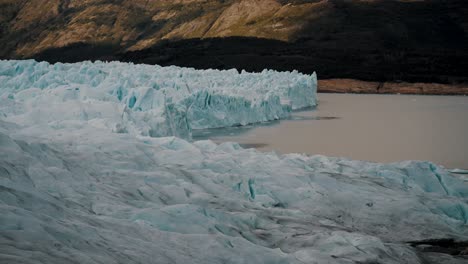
90, 175
148, 100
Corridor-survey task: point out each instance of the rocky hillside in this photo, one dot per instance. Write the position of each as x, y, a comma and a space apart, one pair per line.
371, 40
32, 26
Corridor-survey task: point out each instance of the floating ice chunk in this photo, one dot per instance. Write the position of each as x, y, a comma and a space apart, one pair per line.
459, 171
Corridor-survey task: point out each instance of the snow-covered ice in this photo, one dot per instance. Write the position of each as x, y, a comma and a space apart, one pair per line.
73, 190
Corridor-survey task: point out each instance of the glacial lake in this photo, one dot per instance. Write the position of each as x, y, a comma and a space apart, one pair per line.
381, 128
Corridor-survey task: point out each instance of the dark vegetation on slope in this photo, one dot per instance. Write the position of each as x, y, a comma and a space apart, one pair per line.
257, 54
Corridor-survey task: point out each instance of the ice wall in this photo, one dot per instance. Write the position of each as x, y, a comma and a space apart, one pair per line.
148, 100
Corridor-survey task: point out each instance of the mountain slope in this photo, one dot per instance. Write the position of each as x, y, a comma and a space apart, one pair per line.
32, 26
371, 40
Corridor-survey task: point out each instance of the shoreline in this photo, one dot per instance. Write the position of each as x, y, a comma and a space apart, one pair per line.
354, 86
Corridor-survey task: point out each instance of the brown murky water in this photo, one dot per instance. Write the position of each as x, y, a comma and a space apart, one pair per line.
382, 128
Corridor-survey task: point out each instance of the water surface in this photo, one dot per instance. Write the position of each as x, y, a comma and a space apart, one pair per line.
382, 128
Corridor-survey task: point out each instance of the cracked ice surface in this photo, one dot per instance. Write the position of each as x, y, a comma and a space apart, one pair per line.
74, 191
145, 99
100, 197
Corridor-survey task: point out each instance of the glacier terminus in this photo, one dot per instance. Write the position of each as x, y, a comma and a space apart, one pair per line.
97, 165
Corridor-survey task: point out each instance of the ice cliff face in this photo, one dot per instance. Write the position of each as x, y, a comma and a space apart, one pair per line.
73, 190
147, 100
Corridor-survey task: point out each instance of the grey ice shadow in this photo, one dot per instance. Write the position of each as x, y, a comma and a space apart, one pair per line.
211, 133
